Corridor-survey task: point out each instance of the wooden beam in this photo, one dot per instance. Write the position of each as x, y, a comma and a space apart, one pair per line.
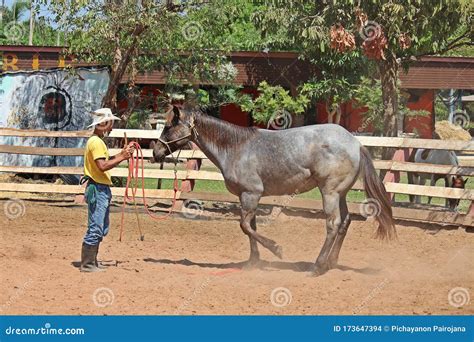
53, 170
453, 145
185, 154
391, 187
76, 189
154, 173
117, 172
13, 132
43, 151
432, 216
432, 191
466, 161
423, 168
135, 133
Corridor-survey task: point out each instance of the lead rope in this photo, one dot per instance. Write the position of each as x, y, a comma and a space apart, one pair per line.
135, 164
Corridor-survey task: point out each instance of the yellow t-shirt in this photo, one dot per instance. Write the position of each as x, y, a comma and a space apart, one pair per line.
96, 149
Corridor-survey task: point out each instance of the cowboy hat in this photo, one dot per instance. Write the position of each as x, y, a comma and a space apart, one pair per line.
102, 115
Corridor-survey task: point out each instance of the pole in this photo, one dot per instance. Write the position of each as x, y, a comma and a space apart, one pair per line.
32, 23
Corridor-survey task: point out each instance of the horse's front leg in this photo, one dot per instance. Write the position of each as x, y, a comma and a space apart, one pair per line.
249, 202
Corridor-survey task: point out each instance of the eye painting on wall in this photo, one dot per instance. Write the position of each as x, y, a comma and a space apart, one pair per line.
53, 100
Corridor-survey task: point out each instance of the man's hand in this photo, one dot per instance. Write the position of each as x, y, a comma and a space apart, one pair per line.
127, 152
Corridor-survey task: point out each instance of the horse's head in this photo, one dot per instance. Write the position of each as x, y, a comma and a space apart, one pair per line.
459, 183
178, 132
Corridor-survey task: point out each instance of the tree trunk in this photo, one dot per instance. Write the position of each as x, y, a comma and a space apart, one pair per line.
388, 69
119, 67
110, 98
389, 75
32, 23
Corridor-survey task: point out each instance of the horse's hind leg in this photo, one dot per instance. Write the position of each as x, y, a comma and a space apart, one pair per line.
254, 253
333, 221
249, 202
341, 232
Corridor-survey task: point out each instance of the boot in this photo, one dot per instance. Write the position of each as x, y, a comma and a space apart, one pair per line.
97, 263
88, 257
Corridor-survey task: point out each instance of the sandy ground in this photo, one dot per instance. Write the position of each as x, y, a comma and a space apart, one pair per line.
194, 266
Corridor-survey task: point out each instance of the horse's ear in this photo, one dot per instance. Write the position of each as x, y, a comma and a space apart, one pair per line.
176, 112
173, 114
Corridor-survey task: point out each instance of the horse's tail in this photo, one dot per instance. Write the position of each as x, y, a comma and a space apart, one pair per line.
378, 202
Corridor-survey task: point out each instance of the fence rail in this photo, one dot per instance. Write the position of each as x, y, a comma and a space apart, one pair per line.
394, 167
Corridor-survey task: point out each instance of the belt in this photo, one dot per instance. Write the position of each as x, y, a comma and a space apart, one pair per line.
90, 181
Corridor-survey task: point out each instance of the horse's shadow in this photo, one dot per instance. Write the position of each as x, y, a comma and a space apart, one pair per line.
297, 266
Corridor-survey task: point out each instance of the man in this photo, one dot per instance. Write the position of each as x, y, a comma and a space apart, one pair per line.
96, 166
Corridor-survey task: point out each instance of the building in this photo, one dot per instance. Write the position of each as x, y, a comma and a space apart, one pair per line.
420, 83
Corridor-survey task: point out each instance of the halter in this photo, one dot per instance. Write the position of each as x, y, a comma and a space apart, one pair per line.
168, 143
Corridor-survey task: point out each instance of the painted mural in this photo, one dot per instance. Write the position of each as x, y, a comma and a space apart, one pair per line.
54, 100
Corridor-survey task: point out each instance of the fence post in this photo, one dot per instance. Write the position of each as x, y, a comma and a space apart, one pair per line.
192, 164
79, 199
187, 185
401, 155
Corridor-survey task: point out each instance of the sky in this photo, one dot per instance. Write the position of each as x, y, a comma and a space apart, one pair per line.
9, 3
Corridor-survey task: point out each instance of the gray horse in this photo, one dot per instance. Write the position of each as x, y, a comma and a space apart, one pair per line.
256, 163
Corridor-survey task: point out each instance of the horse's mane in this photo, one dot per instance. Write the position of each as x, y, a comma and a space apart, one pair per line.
222, 134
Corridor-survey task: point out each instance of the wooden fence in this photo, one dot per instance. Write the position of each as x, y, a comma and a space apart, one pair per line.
393, 167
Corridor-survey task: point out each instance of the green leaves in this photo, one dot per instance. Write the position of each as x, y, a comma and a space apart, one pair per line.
368, 94
271, 101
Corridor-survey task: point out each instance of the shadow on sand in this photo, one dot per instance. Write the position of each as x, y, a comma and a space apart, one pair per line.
298, 266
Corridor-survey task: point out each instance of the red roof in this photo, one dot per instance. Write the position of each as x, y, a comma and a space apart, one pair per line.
284, 68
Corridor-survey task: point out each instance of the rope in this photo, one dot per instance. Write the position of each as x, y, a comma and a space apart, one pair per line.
135, 165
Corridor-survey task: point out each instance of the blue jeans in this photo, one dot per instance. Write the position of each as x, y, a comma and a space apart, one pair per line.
98, 198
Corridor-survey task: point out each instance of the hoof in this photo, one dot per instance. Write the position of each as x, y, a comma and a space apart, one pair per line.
318, 271
91, 269
332, 264
252, 264
278, 251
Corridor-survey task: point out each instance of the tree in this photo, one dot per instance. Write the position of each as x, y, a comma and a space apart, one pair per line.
390, 33
12, 27
187, 40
